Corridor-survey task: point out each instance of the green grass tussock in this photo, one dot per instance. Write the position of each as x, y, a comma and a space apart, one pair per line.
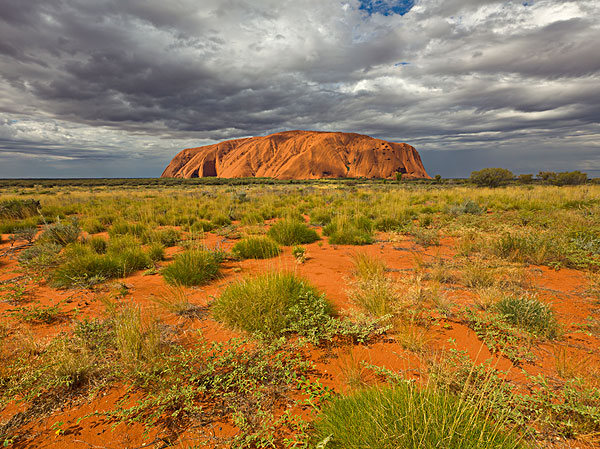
269, 304
531, 314
408, 418
256, 248
292, 232
193, 267
349, 231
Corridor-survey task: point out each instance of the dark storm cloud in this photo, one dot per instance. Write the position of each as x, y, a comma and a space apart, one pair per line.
111, 80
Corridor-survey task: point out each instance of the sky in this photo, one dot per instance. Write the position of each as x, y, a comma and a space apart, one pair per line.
115, 88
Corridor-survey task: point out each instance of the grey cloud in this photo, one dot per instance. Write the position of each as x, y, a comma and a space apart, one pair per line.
155, 77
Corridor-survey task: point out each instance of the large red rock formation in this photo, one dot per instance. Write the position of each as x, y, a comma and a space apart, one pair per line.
299, 155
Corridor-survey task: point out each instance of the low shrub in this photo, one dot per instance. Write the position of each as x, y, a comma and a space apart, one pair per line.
62, 233
531, 314
93, 226
407, 417
220, 221
193, 267
256, 248
292, 232
491, 177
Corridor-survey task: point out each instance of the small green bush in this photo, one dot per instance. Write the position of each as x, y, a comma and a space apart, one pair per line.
531, 314
98, 244
292, 232
156, 252
193, 267
40, 256
122, 228
256, 248
62, 233
409, 418
271, 304
491, 177
166, 237
345, 231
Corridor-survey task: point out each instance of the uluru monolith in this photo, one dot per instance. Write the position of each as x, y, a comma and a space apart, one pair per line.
299, 155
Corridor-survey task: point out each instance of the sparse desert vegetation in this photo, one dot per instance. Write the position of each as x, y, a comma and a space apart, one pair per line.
332, 314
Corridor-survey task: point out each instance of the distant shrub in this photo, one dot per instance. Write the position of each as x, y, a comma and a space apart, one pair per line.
256, 248
292, 232
270, 304
530, 314
491, 177
466, 207
525, 178
349, 231
193, 267
19, 209
564, 178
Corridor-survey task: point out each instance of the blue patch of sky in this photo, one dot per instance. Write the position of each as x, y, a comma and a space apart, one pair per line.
386, 7
398, 64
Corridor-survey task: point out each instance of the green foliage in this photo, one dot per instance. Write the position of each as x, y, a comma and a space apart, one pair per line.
564, 178
40, 256
268, 304
292, 232
256, 248
530, 314
98, 244
299, 253
62, 233
349, 231
405, 416
466, 207
38, 313
122, 228
93, 226
166, 237
193, 267
491, 177
18, 209
525, 178
156, 252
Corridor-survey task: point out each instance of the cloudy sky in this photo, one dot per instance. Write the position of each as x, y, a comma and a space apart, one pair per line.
115, 88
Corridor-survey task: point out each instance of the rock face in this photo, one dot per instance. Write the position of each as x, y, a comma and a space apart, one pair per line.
299, 155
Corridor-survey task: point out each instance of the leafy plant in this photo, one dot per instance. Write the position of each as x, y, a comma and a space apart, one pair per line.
531, 314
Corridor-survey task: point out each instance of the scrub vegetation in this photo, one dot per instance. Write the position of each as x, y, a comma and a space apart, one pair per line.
301, 314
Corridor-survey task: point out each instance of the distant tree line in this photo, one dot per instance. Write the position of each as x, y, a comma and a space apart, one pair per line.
495, 177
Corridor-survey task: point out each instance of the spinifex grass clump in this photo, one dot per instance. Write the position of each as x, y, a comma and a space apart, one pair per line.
408, 418
292, 232
349, 231
62, 233
83, 266
531, 314
193, 267
373, 289
256, 248
19, 209
271, 304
